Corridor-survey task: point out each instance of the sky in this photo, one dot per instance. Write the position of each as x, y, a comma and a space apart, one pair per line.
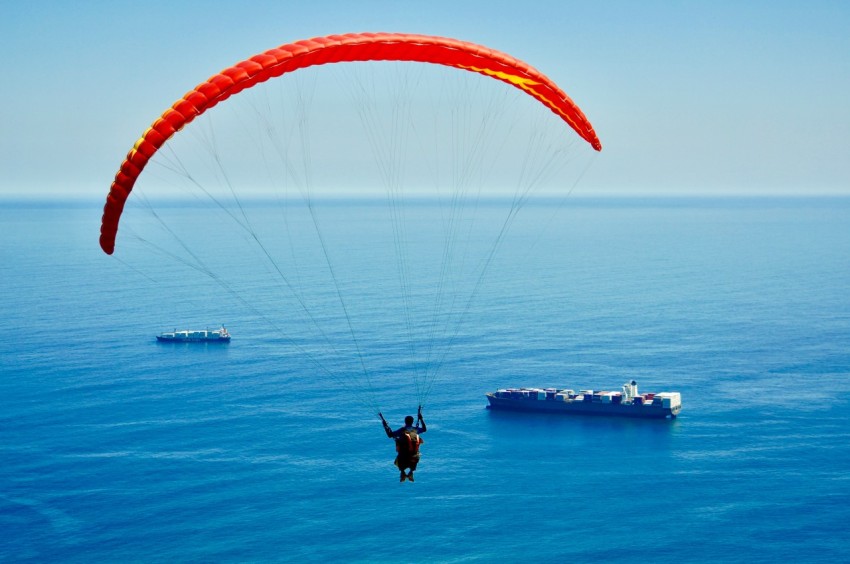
688, 98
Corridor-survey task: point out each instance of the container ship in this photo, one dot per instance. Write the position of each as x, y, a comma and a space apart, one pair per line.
203, 336
626, 403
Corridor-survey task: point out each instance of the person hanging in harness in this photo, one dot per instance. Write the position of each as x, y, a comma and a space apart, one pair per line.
407, 441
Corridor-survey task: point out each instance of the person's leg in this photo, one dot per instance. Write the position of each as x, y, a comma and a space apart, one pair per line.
403, 464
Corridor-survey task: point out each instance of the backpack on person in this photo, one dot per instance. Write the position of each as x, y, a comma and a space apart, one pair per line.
407, 443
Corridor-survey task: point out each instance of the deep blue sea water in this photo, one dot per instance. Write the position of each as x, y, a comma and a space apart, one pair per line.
115, 448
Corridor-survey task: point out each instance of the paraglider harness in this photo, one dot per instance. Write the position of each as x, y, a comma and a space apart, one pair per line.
407, 444
407, 441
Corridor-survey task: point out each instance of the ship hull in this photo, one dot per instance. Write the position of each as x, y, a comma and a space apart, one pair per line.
200, 336
162, 339
581, 408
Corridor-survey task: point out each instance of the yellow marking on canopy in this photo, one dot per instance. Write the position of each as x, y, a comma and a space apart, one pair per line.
136, 145
525, 84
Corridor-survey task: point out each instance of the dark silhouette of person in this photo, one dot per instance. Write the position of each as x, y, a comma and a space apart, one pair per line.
407, 440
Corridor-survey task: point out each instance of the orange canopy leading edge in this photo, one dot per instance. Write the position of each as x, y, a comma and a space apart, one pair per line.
353, 47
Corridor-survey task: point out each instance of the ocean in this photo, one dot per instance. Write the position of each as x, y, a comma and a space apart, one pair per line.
116, 448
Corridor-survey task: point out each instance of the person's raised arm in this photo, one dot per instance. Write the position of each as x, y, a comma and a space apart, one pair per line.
419, 416
386, 425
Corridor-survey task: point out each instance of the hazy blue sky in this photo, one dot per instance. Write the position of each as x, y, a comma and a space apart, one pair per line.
711, 97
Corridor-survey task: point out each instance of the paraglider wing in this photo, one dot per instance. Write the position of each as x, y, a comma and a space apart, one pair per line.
332, 49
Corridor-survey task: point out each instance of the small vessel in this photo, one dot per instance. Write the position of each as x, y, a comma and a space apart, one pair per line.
626, 403
203, 336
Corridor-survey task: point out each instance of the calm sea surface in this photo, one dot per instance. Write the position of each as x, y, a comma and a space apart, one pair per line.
116, 448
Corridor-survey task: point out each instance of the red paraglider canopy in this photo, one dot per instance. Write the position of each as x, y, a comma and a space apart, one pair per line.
355, 47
